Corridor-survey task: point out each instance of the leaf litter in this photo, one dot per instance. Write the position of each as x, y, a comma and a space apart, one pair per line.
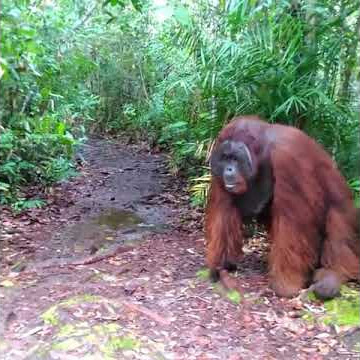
151, 299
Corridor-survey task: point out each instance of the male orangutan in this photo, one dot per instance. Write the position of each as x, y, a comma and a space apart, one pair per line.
278, 174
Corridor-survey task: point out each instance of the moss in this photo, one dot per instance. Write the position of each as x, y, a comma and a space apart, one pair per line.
308, 316
118, 343
87, 298
342, 310
203, 274
258, 300
91, 338
41, 353
111, 328
234, 296
66, 330
101, 336
218, 288
122, 343
311, 296
79, 330
106, 328
51, 316
67, 345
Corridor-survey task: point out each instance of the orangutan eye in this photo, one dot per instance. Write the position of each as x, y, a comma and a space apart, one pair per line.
226, 157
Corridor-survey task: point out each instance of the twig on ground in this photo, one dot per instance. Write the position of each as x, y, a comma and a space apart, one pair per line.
96, 258
147, 312
87, 261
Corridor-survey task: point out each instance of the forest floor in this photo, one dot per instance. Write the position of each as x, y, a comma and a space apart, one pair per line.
113, 268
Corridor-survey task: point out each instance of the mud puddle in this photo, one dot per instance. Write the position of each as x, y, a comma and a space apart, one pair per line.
118, 202
117, 219
101, 231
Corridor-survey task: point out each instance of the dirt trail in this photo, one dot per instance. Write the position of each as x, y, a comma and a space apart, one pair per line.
110, 271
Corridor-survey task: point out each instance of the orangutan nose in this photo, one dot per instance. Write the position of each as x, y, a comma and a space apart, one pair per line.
229, 174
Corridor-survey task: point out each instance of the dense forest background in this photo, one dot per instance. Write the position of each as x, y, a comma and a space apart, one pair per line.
172, 73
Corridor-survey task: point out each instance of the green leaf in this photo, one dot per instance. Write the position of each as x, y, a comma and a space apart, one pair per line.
137, 4
5, 187
182, 15
234, 296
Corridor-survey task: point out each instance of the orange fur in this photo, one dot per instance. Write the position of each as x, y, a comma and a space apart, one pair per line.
340, 253
313, 220
223, 227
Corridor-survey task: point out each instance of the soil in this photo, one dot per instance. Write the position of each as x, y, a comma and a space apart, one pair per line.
113, 268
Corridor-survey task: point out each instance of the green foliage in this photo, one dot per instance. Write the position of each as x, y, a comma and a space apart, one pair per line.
43, 74
36, 151
293, 63
200, 188
355, 187
172, 74
296, 67
22, 204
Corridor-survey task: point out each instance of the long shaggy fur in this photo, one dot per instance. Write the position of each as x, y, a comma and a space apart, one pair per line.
313, 222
